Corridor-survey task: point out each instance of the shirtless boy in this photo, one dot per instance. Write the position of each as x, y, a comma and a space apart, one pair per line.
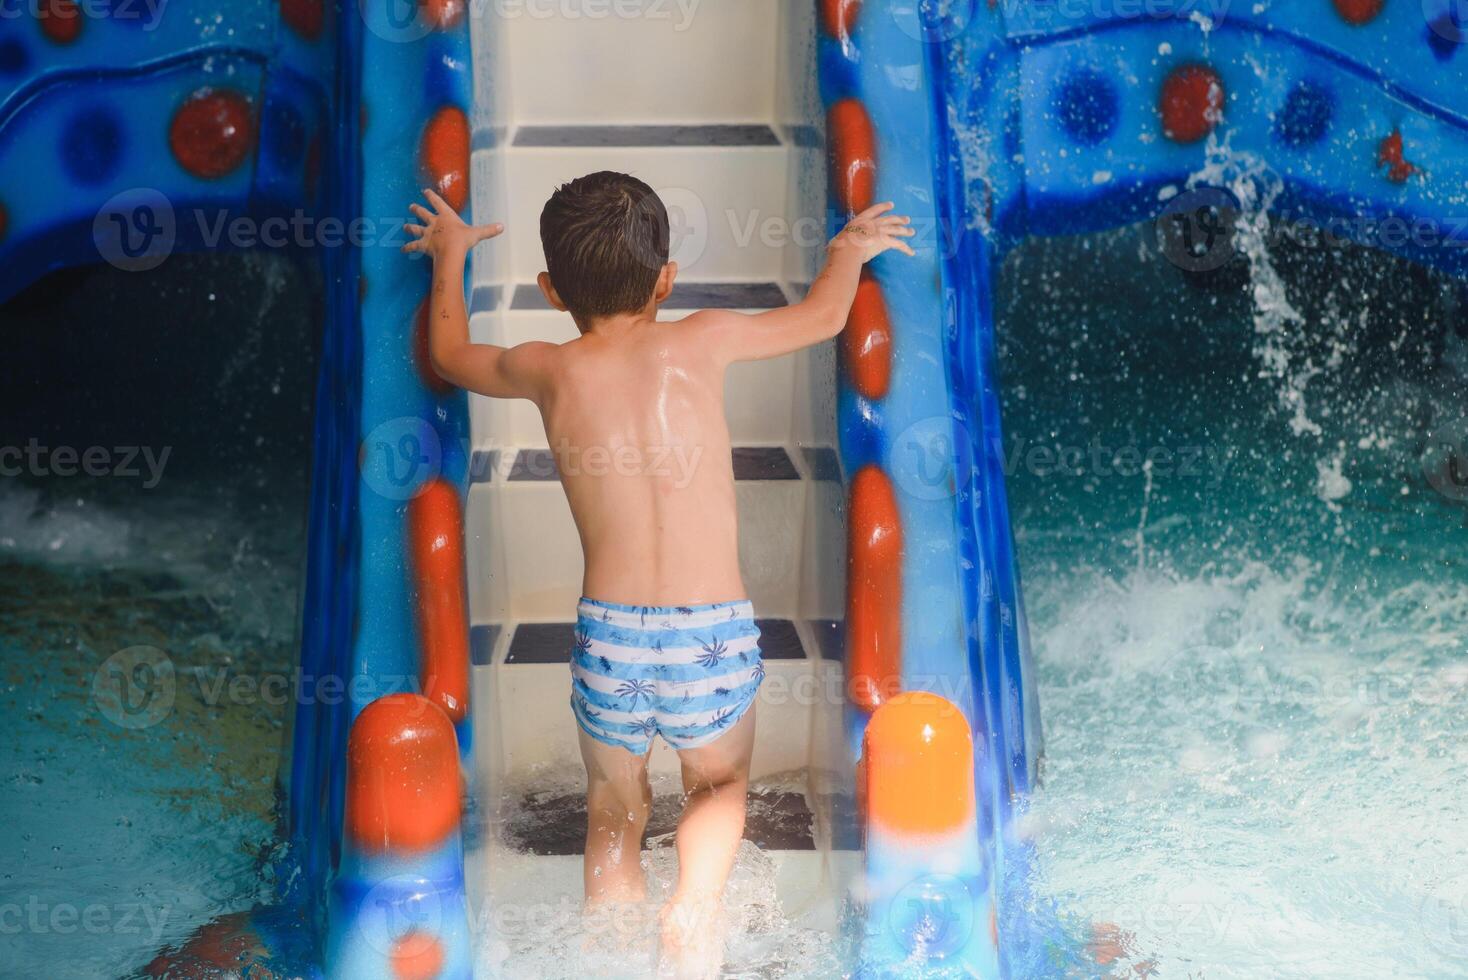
666, 642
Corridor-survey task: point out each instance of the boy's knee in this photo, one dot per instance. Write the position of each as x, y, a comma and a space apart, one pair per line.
725, 777
630, 800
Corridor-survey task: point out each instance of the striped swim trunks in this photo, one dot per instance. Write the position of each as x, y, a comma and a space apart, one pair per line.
687, 673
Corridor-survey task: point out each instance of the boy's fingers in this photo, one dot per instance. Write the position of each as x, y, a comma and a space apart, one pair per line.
875, 210
439, 204
415, 229
421, 211
486, 232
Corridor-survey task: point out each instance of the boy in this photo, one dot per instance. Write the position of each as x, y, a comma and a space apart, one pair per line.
665, 641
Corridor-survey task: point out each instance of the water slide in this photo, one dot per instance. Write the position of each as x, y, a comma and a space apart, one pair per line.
443, 566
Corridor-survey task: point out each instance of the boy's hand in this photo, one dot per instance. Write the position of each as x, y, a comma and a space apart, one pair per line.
443, 231
874, 231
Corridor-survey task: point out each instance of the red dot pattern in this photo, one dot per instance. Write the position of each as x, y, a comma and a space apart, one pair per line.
212, 133
305, 17
1392, 154
444, 152
839, 17
1191, 103
416, 956
443, 15
436, 545
874, 589
866, 343
1358, 12
61, 20
853, 154
402, 776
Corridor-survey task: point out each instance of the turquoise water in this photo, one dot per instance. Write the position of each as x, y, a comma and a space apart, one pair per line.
145, 614
1253, 659
140, 784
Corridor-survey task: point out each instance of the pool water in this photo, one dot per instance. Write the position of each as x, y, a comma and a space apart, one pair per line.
1253, 655
140, 783
148, 616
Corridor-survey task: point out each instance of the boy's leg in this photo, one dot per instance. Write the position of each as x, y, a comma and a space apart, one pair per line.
618, 802
716, 790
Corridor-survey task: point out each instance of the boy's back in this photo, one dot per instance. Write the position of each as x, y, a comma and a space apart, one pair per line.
635, 417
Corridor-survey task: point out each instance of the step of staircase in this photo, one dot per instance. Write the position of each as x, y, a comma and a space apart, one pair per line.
525, 554
719, 194
710, 62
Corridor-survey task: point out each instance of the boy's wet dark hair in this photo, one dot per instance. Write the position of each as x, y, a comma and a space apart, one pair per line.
606, 241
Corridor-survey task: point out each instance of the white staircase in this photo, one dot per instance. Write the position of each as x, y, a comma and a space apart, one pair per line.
707, 112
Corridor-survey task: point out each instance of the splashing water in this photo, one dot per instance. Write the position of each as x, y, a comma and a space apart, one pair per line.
532, 925
1256, 739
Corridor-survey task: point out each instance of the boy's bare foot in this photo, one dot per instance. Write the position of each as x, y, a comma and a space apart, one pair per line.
691, 937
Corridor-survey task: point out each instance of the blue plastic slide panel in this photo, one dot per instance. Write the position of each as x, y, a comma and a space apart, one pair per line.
72, 149
103, 38
1103, 144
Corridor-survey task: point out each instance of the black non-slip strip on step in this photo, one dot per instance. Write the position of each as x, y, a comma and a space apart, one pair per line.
551, 824
550, 643
539, 465
685, 296
823, 463
485, 299
481, 644
646, 136
830, 637
482, 464
763, 463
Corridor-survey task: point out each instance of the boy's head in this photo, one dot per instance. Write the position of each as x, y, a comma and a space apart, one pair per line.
606, 246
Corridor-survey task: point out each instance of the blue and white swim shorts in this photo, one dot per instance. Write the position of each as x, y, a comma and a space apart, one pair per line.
687, 673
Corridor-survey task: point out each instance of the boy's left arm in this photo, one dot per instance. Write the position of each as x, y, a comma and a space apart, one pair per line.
485, 369
823, 312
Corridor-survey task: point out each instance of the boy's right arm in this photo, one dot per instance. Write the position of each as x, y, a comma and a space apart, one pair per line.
823, 312
486, 369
